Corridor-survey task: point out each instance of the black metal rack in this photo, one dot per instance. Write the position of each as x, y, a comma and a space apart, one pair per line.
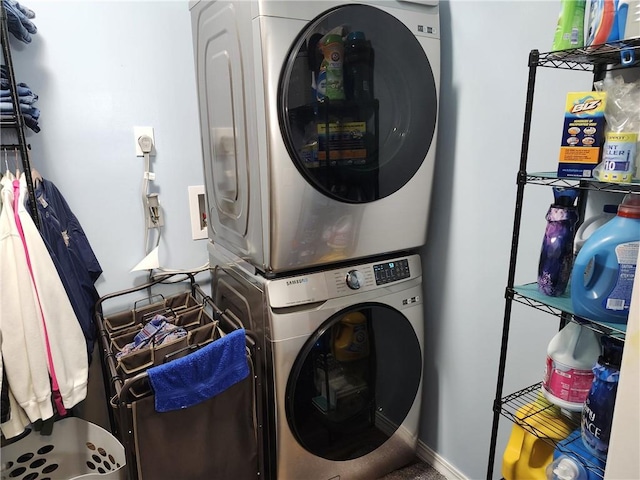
17, 122
598, 59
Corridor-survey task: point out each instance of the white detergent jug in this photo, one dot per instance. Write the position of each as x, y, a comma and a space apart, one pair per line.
591, 224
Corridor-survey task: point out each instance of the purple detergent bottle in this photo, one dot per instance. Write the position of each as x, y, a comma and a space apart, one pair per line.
556, 255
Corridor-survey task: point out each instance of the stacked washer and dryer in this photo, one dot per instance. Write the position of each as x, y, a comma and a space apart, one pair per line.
317, 202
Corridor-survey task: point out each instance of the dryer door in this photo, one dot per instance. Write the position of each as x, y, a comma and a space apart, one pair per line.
223, 123
357, 103
354, 382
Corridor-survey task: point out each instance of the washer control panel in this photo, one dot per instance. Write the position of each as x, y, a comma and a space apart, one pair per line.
321, 286
391, 271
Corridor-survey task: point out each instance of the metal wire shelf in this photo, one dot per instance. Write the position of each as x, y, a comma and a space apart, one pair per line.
528, 295
608, 55
552, 179
547, 425
597, 59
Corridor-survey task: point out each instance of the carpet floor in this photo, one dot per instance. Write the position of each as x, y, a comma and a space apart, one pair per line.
415, 471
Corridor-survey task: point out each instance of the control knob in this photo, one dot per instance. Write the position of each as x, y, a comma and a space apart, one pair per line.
355, 279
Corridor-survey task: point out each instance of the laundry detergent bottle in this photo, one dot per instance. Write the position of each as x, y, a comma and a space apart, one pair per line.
629, 19
603, 272
602, 19
527, 455
351, 338
591, 224
572, 461
597, 412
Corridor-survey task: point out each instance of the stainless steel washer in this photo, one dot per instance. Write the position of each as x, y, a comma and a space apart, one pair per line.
342, 348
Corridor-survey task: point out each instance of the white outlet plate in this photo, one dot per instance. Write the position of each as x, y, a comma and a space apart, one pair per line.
137, 133
197, 212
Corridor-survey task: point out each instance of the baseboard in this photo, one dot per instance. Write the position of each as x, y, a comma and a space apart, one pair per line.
443, 467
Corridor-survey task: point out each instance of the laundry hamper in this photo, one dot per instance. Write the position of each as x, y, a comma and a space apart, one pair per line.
76, 449
218, 438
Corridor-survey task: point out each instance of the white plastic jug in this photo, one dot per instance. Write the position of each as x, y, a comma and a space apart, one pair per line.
571, 355
591, 224
629, 19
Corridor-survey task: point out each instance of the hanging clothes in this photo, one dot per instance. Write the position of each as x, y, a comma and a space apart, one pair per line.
37, 320
4, 390
71, 253
55, 390
65, 335
23, 355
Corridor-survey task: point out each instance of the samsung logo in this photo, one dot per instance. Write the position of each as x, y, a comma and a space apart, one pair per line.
297, 281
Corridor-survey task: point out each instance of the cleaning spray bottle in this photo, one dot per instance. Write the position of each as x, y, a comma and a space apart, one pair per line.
570, 28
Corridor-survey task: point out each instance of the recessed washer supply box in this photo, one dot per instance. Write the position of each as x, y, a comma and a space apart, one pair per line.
582, 134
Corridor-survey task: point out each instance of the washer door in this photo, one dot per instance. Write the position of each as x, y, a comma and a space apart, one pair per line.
357, 104
354, 382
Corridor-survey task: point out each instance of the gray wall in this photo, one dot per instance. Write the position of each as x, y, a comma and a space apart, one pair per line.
101, 68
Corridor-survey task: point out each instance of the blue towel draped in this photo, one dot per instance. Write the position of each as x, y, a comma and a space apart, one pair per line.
203, 374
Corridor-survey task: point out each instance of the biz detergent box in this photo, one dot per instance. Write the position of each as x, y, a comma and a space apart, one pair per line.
582, 134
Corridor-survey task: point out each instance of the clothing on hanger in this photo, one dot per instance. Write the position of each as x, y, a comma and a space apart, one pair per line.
32, 304
71, 253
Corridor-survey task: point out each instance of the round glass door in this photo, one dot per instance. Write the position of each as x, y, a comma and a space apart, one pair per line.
354, 382
357, 104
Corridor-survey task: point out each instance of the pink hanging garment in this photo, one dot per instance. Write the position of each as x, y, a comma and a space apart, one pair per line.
55, 390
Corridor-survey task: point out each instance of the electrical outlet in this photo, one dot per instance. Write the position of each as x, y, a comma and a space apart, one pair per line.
154, 217
198, 212
137, 133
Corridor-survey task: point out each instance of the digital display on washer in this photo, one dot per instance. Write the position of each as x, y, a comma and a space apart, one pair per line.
391, 271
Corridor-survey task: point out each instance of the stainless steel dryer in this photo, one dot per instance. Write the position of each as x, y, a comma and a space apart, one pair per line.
342, 382
302, 171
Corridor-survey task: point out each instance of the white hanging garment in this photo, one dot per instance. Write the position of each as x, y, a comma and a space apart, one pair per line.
23, 349
66, 340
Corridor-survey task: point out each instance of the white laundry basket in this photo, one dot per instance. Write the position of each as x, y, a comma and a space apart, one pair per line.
76, 449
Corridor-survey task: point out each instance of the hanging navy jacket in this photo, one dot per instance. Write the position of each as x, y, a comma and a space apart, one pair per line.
72, 255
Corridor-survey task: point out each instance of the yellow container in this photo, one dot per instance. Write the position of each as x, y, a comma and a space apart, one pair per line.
526, 455
351, 338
